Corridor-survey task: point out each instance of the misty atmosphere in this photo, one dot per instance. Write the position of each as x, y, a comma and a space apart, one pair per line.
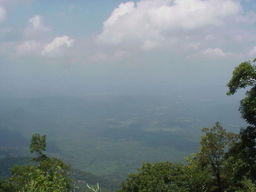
114, 85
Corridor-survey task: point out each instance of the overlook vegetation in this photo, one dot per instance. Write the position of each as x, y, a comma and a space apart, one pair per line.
225, 162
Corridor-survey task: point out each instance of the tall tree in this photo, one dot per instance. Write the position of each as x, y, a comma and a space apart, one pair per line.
214, 145
38, 146
244, 76
47, 173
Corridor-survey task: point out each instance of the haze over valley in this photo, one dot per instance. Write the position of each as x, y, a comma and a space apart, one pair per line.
114, 84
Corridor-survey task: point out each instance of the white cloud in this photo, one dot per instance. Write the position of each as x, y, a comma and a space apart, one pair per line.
2, 14
150, 22
215, 52
57, 44
29, 47
34, 47
123, 9
37, 24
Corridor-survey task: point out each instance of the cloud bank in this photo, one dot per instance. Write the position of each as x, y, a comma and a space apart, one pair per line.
186, 28
150, 22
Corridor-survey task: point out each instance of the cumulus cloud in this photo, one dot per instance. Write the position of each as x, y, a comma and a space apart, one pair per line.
2, 14
37, 24
215, 52
150, 22
58, 44
34, 47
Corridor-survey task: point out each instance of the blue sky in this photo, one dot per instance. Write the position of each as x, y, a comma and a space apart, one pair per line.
61, 14
112, 46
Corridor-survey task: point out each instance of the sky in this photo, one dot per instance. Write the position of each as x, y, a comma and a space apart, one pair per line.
82, 47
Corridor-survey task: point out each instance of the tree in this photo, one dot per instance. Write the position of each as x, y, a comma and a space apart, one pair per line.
204, 171
249, 186
198, 179
214, 144
38, 146
5, 186
241, 158
245, 76
244, 151
157, 177
47, 173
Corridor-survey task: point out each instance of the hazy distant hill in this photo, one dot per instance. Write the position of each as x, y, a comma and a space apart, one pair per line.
113, 135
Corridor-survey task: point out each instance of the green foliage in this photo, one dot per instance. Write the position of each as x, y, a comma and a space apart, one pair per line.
47, 174
198, 179
6, 186
156, 177
33, 179
243, 76
244, 151
169, 177
38, 146
249, 185
207, 171
247, 106
214, 144
242, 156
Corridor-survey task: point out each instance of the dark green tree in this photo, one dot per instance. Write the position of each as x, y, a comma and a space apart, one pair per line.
214, 144
46, 173
243, 154
157, 177
6, 186
38, 146
198, 178
245, 76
